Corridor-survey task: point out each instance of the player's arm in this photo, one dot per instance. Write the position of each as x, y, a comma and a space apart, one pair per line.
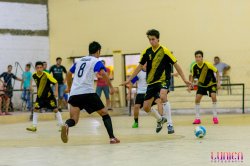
136, 71
53, 81
215, 70
130, 86
179, 70
175, 74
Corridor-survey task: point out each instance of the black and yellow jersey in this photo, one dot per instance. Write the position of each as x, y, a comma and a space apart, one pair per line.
204, 73
43, 83
158, 64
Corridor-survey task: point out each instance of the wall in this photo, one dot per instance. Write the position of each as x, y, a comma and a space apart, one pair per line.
219, 28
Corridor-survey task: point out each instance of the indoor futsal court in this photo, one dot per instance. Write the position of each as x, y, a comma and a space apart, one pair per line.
140, 146
152, 82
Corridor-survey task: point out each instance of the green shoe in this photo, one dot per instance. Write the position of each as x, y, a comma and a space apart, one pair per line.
32, 128
135, 125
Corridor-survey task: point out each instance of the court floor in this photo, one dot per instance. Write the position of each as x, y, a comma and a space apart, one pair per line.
89, 145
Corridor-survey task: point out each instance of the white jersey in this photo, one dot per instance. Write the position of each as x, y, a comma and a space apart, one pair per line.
84, 73
141, 82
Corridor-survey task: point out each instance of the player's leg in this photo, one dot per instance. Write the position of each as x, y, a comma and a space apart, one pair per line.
38, 105
212, 94
151, 94
72, 121
108, 125
136, 115
198, 98
138, 104
106, 93
167, 109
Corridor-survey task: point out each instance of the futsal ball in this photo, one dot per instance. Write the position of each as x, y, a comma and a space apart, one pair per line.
200, 131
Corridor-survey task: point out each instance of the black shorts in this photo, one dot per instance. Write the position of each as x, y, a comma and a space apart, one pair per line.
49, 103
166, 85
154, 89
210, 89
141, 97
91, 102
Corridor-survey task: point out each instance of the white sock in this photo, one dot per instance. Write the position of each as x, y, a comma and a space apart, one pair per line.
59, 118
214, 109
197, 111
35, 118
167, 113
156, 114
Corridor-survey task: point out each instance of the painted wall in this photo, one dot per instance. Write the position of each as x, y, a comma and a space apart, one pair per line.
219, 28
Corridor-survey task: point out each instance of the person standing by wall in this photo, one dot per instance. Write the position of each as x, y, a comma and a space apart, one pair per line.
57, 70
8, 76
26, 86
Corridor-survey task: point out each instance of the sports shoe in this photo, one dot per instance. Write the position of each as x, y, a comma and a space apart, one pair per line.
197, 121
114, 141
170, 129
160, 124
64, 133
32, 128
215, 120
135, 125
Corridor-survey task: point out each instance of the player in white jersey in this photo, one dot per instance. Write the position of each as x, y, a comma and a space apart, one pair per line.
82, 92
141, 92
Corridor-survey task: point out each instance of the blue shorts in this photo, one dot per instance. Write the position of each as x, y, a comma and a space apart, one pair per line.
105, 89
61, 89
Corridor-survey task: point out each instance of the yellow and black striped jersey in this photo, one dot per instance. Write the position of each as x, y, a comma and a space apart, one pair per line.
43, 83
158, 64
204, 73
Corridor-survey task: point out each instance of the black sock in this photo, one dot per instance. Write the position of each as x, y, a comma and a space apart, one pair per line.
108, 124
136, 120
70, 122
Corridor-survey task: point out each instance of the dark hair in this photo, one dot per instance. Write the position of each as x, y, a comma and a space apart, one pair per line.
153, 32
216, 57
39, 63
28, 65
9, 66
44, 62
58, 58
94, 47
198, 52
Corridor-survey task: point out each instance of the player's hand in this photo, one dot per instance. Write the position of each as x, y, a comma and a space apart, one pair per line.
188, 83
189, 89
112, 90
125, 83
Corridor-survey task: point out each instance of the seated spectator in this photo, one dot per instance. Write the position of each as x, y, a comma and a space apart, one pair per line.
8, 76
222, 67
